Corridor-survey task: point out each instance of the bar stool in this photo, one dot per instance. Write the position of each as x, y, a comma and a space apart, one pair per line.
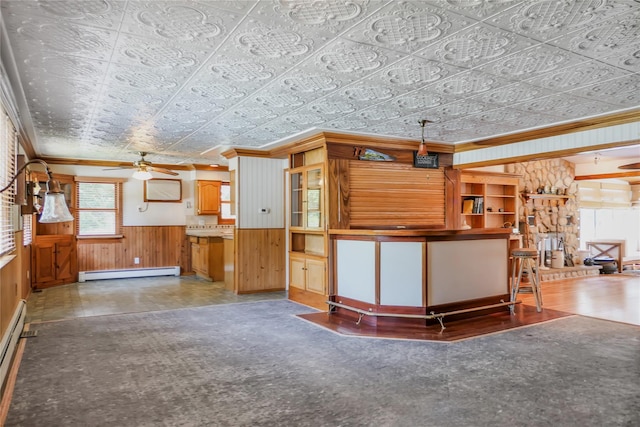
525, 259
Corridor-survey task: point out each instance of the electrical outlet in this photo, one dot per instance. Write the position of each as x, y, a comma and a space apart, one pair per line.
136, 260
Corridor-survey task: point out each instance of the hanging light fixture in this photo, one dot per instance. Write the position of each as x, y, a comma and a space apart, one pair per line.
142, 173
55, 207
422, 148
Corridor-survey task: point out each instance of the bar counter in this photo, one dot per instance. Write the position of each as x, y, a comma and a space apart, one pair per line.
419, 271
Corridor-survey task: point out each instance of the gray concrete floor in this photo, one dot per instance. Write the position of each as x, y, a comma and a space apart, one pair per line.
117, 296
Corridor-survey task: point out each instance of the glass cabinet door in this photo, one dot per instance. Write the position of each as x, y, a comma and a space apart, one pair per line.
313, 214
296, 199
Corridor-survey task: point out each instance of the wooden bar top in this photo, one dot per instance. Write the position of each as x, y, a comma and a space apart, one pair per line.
413, 232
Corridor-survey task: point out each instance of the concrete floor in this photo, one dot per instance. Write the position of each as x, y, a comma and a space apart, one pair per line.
117, 296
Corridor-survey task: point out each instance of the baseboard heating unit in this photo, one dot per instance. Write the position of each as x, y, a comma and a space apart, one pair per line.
83, 276
10, 339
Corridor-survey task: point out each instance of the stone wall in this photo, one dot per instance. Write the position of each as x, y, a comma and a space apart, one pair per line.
550, 216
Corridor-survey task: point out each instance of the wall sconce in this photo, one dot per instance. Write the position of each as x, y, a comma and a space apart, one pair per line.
55, 207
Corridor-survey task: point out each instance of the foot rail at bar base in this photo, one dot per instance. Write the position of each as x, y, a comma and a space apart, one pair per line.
438, 316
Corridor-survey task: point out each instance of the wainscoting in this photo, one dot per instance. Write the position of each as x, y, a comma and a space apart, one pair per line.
154, 246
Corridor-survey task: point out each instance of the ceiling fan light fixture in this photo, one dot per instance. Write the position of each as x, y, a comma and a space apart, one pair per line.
422, 148
142, 174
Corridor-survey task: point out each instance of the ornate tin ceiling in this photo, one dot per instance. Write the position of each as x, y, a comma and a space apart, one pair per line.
106, 78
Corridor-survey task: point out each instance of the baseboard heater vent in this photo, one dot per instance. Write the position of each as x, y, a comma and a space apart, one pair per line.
83, 276
10, 339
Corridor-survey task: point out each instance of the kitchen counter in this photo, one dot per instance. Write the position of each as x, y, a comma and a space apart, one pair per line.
225, 233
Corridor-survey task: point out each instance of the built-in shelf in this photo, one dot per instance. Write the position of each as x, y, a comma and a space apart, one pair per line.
551, 198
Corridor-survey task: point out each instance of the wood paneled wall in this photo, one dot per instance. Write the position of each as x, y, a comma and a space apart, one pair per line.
13, 286
389, 195
156, 246
260, 260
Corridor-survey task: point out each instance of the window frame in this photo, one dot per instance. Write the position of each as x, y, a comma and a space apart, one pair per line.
117, 182
221, 220
8, 150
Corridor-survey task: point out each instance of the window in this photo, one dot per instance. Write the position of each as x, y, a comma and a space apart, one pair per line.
98, 207
225, 204
8, 140
27, 230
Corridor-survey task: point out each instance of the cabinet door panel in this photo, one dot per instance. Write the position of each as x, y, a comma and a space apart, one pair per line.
208, 197
316, 276
297, 273
65, 255
45, 262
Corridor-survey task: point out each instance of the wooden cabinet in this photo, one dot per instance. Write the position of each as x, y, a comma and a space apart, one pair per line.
308, 244
54, 260
208, 197
308, 273
207, 257
489, 200
307, 198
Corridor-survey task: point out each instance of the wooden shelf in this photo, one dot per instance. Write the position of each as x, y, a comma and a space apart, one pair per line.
555, 199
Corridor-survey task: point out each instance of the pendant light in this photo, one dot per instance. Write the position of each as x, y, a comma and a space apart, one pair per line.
422, 148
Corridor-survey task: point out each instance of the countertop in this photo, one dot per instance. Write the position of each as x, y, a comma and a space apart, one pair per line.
210, 232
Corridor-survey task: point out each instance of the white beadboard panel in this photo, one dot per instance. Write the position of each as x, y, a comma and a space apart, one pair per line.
260, 185
584, 140
356, 270
401, 267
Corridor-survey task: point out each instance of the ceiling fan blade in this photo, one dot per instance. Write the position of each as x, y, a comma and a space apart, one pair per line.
119, 168
630, 166
162, 170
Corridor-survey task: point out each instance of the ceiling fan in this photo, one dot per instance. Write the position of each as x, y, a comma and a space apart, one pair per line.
144, 168
630, 166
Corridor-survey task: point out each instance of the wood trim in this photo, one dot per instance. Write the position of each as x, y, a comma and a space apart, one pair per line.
98, 179
237, 152
107, 163
209, 168
607, 175
546, 156
561, 129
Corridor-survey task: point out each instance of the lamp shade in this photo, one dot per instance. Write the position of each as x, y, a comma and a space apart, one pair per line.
55, 209
142, 174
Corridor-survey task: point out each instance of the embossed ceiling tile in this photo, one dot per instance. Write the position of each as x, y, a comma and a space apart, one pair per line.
624, 91
162, 82
364, 93
419, 100
278, 100
578, 75
95, 13
620, 36
190, 22
65, 67
467, 84
513, 93
330, 16
350, 123
270, 42
331, 108
407, 26
547, 19
476, 45
563, 106
159, 54
305, 86
351, 60
532, 62
62, 38
416, 72
455, 109
629, 60
477, 9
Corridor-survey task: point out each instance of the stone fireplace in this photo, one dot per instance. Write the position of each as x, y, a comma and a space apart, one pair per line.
553, 211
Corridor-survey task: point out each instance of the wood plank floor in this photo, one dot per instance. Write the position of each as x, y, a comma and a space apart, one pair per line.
613, 297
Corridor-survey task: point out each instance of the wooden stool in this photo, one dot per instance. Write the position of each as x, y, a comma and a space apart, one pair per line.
524, 258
